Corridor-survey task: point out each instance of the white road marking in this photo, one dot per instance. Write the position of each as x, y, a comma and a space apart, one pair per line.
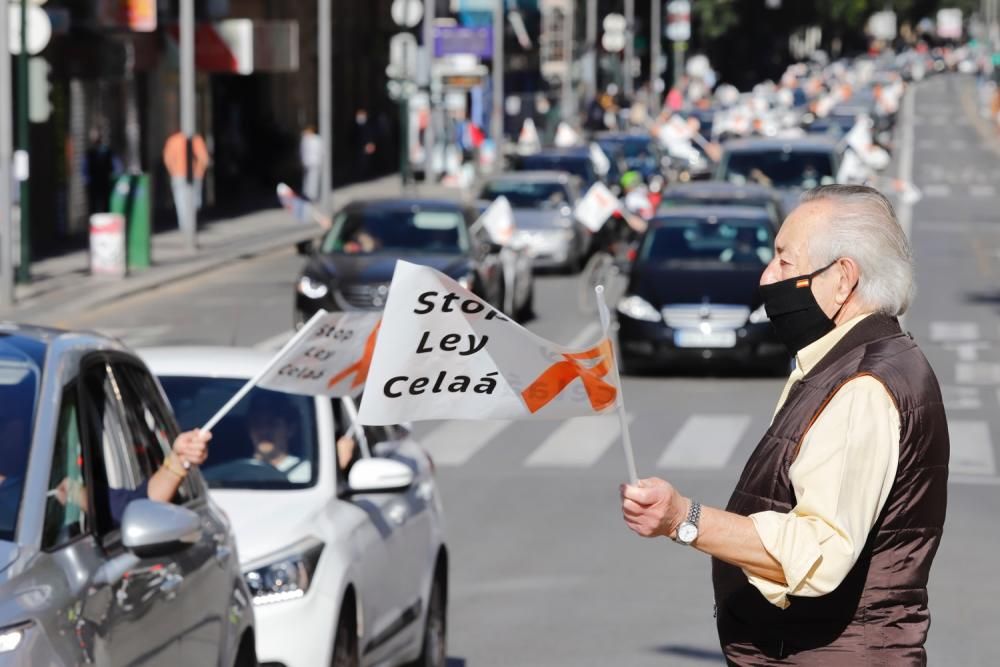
136, 337
957, 144
949, 332
927, 144
905, 209
705, 441
274, 343
937, 190
971, 448
961, 398
982, 191
998, 394
455, 442
977, 373
967, 351
577, 443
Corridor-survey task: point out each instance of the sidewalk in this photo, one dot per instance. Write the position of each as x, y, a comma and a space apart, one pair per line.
63, 284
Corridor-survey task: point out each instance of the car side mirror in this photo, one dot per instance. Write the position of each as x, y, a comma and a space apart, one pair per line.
150, 529
379, 475
305, 247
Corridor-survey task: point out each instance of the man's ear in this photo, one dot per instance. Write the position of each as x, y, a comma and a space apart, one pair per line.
850, 274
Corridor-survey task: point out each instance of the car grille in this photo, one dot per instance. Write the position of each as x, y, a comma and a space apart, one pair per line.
370, 295
692, 316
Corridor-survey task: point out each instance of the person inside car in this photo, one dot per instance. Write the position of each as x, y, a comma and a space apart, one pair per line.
272, 426
190, 448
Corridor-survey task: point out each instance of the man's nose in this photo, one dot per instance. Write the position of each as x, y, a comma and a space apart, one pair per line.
772, 273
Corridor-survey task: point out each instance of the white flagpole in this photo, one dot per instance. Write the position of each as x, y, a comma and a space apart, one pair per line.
602, 308
252, 382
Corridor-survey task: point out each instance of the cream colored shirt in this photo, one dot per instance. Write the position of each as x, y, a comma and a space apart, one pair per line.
842, 477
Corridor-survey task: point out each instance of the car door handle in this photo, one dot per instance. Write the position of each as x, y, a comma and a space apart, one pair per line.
171, 584
397, 514
222, 554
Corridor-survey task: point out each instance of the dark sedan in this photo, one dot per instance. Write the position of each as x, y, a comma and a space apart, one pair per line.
576, 161
353, 264
632, 151
693, 291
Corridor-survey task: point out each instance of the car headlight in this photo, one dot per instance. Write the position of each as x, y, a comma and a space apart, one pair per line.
466, 281
311, 288
638, 309
285, 575
758, 316
11, 636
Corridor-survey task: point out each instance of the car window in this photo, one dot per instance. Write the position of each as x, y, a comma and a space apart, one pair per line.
728, 242
19, 384
528, 194
267, 441
151, 429
413, 230
66, 503
780, 168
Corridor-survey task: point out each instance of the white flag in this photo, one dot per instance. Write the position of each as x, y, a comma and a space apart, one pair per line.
498, 221
566, 136
600, 160
596, 207
443, 353
330, 357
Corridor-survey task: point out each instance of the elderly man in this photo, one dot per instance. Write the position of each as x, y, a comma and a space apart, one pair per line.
823, 553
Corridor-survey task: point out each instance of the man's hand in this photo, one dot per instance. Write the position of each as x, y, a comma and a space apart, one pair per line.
653, 508
191, 447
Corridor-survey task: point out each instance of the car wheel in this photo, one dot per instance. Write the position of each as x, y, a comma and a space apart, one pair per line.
345, 643
435, 646
526, 312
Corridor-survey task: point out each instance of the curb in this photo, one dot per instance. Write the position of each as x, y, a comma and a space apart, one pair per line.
101, 295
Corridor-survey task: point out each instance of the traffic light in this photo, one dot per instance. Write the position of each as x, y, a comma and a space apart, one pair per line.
39, 90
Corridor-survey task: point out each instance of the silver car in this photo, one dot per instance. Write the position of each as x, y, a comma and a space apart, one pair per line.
543, 203
92, 571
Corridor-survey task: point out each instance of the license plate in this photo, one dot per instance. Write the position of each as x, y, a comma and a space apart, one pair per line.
696, 338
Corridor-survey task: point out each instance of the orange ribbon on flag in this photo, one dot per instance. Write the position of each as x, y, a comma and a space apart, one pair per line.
558, 376
360, 367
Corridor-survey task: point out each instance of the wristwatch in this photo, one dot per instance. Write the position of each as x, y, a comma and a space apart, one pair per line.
687, 531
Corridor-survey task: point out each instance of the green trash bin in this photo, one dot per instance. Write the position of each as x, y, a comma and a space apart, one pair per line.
130, 197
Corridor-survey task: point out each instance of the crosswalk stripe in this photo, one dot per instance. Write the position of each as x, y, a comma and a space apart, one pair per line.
455, 442
577, 443
954, 331
961, 398
937, 190
971, 447
705, 441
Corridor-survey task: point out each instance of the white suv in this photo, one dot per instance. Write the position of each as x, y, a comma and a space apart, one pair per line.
347, 565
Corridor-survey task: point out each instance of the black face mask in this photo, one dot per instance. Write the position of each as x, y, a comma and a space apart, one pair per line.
794, 313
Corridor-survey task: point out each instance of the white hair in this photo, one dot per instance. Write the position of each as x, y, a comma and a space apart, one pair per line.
864, 228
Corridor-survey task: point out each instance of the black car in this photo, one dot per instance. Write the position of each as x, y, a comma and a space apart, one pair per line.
721, 193
576, 161
632, 151
352, 266
693, 291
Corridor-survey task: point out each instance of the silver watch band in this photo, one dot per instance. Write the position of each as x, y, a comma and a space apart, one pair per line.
694, 513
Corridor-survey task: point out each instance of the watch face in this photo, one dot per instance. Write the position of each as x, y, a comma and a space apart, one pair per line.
687, 532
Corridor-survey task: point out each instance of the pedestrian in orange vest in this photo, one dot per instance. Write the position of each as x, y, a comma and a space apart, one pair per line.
175, 159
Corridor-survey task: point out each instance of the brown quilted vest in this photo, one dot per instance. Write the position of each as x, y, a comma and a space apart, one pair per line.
878, 615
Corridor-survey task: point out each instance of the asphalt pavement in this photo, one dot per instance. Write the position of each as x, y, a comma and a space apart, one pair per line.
544, 572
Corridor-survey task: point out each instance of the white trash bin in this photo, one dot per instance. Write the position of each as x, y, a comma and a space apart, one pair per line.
107, 244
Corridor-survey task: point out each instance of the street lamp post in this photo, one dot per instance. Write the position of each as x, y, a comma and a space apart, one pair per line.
590, 71
187, 206
567, 104
496, 118
24, 266
325, 100
629, 47
655, 35
425, 80
6, 155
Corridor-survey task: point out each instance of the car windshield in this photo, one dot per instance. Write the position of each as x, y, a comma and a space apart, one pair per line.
19, 383
401, 230
525, 194
632, 147
268, 441
580, 166
732, 242
779, 168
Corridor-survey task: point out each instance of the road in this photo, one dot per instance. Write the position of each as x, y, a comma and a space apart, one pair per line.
544, 573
